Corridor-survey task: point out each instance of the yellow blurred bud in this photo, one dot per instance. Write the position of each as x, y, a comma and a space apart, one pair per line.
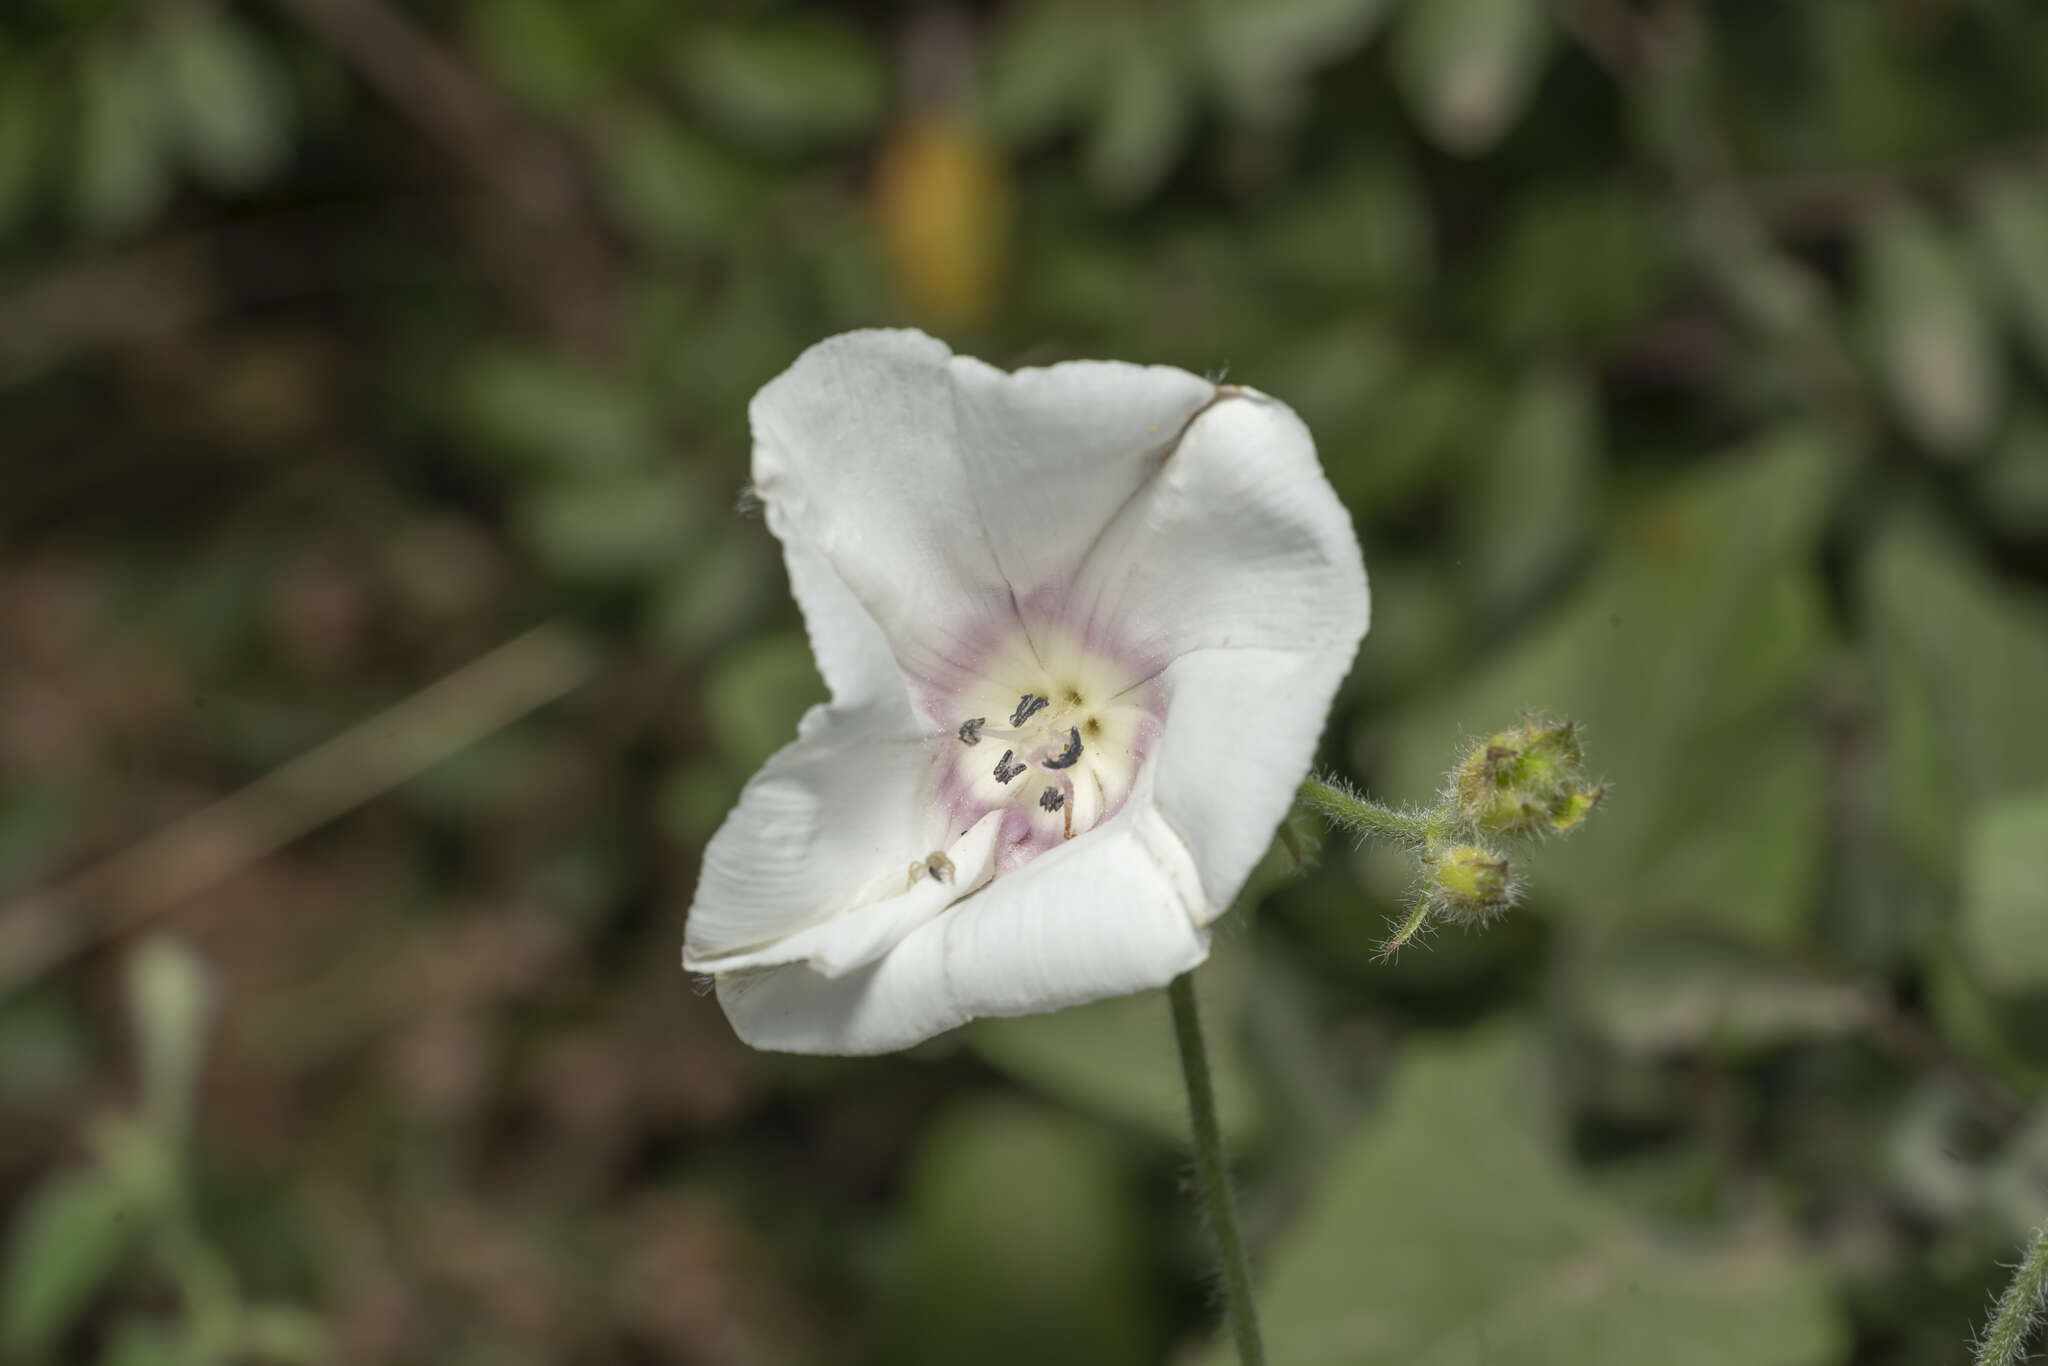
942, 201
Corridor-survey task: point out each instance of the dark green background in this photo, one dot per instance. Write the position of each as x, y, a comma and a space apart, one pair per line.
1684, 366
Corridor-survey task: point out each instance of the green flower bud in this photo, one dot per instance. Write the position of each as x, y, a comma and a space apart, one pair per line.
1468, 881
1526, 780
1571, 813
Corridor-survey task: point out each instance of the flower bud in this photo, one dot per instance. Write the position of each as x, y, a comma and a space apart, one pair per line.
1469, 881
1526, 780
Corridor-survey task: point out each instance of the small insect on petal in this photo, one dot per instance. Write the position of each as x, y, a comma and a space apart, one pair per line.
936, 866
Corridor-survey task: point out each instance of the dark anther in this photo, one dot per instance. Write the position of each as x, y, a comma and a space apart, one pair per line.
1071, 755
1006, 769
1028, 706
970, 730
1052, 799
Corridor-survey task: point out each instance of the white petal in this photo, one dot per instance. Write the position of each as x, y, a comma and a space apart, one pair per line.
1239, 541
857, 936
852, 653
856, 457
1111, 913
1241, 730
829, 823
1054, 454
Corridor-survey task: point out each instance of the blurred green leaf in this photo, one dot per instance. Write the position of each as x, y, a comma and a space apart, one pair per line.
1666, 994
672, 183
122, 172
284, 1333
170, 1004
2012, 481
2005, 893
1685, 656
1929, 333
1023, 1245
1261, 49
145, 1342
787, 83
755, 694
2010, 216
2013, 1188
1535, 501
1362, 232
692, 801
1959, 661
625, 528
1427, 414
1924, 1152
24, 136
1421, 643
69, 1237
1882, 97
34, 822
42, 1047
542, 49
1118, 1058
1041, 78
232, 104
1578, 265
547, 414
1451, 1230
1146, 114
723, 586
1467, 68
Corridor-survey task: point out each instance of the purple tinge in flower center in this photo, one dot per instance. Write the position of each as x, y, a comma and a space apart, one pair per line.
1048, 728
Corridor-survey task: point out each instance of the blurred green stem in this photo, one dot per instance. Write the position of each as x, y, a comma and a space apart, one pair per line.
1212, 1171
1367, 816
2019, 1308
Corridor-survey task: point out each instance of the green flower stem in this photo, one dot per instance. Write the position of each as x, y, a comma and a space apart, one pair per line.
2019, 1308
1212, 1170
1369, 817
1408, 929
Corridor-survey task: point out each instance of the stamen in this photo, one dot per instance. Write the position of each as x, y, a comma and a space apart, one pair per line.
1071, 755
1028, 706
1052, 799
1006, 769
970, 730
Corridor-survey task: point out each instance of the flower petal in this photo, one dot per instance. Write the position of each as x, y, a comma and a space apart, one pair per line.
855, 457
1241, 730
830, 823
1111, 913
853, 655
1054, 454
857, 936
942, 492
1238, 541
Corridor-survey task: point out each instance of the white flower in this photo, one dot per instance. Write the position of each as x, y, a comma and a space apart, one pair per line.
1081, 627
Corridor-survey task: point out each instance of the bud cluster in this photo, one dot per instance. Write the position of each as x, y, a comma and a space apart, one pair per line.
1526, 780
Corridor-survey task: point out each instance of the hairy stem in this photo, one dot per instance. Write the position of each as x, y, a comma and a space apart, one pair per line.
1410, 926
1212, 1171
2019, 1308
1365, 815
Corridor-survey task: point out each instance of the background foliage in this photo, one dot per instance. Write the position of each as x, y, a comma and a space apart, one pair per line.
1684, 365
